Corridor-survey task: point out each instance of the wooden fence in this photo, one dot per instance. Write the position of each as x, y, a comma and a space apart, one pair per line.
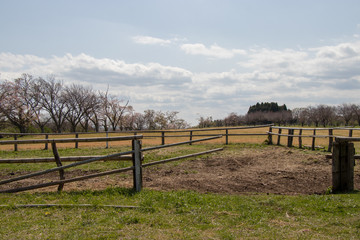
136, 154
190, 134
301, 134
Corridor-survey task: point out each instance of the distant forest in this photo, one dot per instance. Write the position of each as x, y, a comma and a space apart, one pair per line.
266, 107
345, 114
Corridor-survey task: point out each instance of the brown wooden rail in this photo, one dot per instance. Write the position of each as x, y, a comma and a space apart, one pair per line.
290, 135
137, 158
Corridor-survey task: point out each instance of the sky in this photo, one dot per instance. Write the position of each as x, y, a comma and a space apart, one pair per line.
201, 58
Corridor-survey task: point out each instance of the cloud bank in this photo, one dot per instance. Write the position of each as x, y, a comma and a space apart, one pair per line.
296, 77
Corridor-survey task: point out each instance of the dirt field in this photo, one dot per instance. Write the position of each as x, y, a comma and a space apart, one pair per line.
272, 169
277, 170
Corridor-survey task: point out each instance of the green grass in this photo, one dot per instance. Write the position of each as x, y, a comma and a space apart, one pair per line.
172, 214
180, 215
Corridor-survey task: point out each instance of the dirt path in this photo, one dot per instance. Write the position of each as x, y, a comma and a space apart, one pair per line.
271, 169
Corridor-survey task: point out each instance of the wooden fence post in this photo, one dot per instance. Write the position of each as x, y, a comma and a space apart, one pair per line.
76, 143
343, 167
270, 142
162, 138
279, 137
59, 164
350, 132
313, 140
15, 144
331, 139
107, 142
227, 136
191, 137
46, 144
290, 138
300, 139
137, 157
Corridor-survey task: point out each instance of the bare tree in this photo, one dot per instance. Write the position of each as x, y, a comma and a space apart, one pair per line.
139, 121
52, 100
92, 112
301, 115
173, 122
112, 111
326, 114
149, 119
15, 103
232, 120
346, 112
80, 102
356, 110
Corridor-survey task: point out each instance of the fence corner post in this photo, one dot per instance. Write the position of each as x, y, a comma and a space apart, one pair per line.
343, 166
270, 142
137, 157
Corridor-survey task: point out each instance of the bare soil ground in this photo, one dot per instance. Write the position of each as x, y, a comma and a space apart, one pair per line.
273, 169
269, 170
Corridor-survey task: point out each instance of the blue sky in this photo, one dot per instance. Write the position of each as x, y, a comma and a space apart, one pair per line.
198, 57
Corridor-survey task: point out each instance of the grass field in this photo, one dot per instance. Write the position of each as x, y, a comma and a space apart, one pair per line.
180, 215
171, 214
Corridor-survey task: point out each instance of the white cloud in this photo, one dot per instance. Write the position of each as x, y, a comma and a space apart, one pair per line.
214, 50
328, 74
147, 40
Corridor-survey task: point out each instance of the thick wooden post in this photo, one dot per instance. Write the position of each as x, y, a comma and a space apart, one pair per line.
59, 164
137, 172
279, 137
15, 144
300, 139
331, 140
343, 167
350, 132
270, 142
313, 140
162, 138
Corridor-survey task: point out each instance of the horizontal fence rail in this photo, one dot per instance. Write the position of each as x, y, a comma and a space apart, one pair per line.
162, 134
136, 157
313, 135
63, 159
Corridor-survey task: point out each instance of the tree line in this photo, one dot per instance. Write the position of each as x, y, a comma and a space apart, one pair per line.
31, 104
345, 114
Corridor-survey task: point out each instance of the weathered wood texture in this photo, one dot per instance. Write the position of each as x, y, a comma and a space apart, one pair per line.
343, 167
